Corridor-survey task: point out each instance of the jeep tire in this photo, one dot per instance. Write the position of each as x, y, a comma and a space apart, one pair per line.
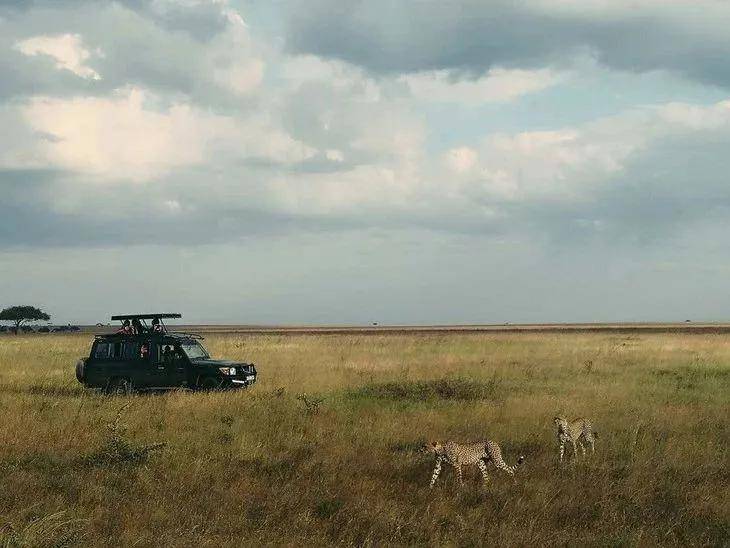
209, 384
80, 370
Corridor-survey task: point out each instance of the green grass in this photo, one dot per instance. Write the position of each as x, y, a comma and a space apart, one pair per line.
261, 466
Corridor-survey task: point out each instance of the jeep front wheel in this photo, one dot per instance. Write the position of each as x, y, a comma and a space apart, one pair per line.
209, 383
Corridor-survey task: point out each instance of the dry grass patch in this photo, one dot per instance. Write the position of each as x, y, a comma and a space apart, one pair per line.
261, 466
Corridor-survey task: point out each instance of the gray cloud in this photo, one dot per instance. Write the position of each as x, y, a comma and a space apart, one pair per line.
144, 45
471, 36
179, 50
676, 184
201, 20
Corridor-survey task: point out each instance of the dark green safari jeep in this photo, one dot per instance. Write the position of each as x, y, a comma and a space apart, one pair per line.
139, 357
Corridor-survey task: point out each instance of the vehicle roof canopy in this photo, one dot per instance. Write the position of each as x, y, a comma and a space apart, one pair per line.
145, 336
147, 316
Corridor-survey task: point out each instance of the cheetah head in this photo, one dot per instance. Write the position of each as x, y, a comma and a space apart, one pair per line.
559, 420
432, 447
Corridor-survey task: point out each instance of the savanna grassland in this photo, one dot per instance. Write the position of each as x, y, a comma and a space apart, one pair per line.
266, 466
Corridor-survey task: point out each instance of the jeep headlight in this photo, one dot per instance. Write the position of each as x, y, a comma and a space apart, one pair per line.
227, 370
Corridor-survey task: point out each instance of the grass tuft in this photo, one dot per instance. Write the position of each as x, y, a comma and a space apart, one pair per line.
461, 389
55, 530
117, 449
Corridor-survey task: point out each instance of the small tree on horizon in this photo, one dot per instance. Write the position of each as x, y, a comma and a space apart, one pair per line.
20, 314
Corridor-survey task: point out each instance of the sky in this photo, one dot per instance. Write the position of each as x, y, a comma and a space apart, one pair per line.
329, 162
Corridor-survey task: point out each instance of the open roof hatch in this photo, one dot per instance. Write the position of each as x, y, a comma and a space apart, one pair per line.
147, 316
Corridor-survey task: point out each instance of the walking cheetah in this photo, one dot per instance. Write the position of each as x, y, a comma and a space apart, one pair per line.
457, 455
572, 432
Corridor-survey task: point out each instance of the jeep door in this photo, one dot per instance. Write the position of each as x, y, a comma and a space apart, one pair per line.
170, 367
138, 363
99, 368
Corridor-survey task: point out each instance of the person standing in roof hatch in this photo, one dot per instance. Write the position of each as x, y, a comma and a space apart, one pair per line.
157, 326
126, 328
137, 327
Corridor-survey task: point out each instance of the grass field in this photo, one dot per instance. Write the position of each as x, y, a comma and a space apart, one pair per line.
262, 466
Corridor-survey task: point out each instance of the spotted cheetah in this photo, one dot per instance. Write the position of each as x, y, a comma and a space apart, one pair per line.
457, 455
573, 431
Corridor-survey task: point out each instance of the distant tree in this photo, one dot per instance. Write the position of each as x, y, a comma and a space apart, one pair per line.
20, 314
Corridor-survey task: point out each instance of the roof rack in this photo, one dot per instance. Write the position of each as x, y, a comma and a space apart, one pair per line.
147, 316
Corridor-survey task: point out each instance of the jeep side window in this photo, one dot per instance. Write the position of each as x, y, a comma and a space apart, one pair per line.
131, 350
164, 353
102, 350
116, 350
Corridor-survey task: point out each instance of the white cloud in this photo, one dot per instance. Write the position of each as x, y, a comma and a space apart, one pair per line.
233, 57
172, 206
695, 117
122, 137
67, 49
340, 77
498, 85
573, 163
129, 136
334, 155
461, 159
242, 77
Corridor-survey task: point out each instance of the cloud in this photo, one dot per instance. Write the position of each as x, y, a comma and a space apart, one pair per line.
67, 49
225, 131
574, 163
163, 46
121, 137
689, 38
133, 135
497, 85
201, 19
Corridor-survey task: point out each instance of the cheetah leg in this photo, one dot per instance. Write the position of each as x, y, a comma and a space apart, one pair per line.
459, 474
483, 468
436, 472
582, 447
503, 466
562, 450
575, 450
593, 445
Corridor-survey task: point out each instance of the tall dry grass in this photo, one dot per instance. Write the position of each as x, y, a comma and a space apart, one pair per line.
264, 466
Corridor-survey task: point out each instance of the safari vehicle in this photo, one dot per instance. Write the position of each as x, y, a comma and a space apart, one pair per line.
140, 357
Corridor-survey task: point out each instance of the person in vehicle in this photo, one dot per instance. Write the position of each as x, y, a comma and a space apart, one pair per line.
144, 351
137, 327
126, 328
156, 325
167, 355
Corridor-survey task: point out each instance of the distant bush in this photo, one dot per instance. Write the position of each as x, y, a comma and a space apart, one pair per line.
439, 389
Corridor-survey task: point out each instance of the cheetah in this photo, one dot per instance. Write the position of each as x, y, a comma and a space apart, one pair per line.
457, 455
573, 431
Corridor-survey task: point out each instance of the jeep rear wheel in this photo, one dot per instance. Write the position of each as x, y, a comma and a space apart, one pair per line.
120, 387
80, 373
210, 383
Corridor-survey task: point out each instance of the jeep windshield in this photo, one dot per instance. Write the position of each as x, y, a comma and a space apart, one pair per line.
194, 351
